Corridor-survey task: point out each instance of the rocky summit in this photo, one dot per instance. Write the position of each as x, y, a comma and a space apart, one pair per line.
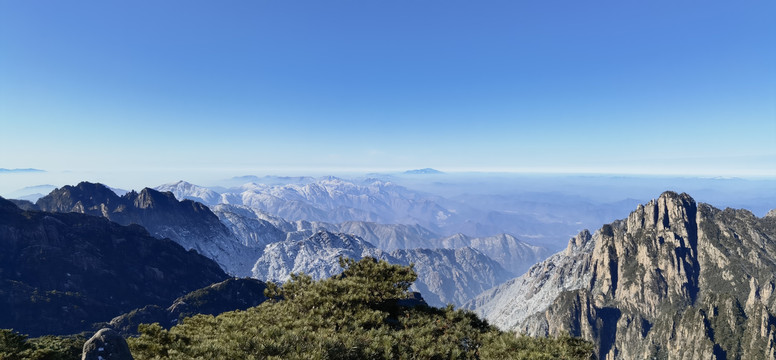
190, 224
676, 279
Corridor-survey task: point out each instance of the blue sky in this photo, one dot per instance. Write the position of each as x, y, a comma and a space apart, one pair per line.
180, 87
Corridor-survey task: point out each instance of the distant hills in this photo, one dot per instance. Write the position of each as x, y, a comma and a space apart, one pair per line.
425, 171
334, 201
243, 240
444, 275
28, 170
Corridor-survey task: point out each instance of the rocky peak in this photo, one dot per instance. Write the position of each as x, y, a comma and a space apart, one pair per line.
651, 256
456, 241
578, 242
669, 211
674, 279
190, 224
149, 198
85, 197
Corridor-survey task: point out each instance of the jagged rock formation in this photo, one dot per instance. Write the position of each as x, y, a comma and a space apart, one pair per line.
510, 304
186, 222
257, 229
514, 255
444, 275
252, 227
316, 256
675, 280
228, 295
106, 344
447, 276
61, 272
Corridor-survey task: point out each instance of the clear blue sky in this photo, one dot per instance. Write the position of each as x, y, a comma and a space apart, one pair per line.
655, 87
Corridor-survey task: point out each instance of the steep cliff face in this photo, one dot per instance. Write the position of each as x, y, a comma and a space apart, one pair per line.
510, 304
675, 279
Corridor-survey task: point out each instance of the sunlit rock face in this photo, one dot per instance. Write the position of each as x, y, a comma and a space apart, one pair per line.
674, 279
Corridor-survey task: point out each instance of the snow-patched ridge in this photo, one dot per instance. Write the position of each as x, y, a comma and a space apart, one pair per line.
184, 190
328, 199
444, 275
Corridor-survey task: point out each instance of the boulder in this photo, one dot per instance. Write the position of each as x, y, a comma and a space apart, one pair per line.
106, 344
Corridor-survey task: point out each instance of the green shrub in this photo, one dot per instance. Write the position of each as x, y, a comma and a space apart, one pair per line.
354, 315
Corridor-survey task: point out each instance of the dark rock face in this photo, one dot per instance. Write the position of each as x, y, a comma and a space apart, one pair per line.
229, 295
106, 344
24, 204
190, 224
59, 273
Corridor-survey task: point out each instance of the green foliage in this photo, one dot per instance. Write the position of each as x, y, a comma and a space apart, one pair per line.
507, 346
15, 346
354, 315
12, 344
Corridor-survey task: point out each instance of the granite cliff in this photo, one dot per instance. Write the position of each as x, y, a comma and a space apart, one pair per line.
676, 279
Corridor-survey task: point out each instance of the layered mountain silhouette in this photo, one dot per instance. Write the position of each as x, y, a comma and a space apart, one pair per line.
191, 224
61, 272
444, 275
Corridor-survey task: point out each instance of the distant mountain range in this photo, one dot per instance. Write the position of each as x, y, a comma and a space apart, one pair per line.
514, 255
675, 279
242, 239
189, 223
425, 171
334, 201
444, 275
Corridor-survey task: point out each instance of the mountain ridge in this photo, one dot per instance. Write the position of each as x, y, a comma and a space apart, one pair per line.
674, 279
61, 272
444, 275
189, 223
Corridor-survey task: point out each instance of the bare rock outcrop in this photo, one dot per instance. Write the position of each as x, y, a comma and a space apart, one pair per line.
106, 344
675, 279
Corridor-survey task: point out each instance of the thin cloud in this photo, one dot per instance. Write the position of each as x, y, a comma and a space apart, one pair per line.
29, 170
